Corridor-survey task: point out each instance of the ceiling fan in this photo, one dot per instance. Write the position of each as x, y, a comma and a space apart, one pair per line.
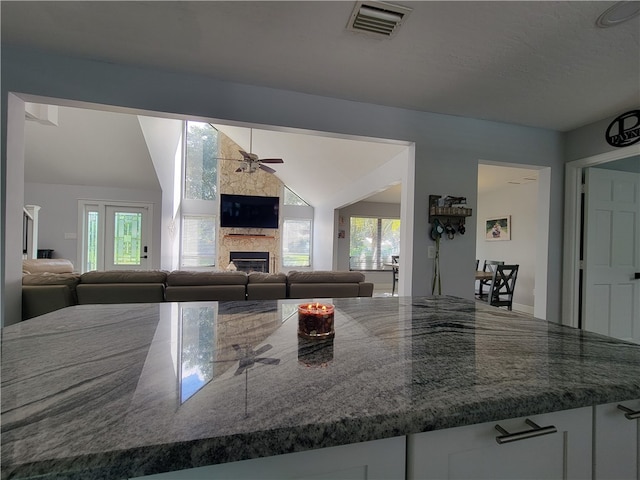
251, 162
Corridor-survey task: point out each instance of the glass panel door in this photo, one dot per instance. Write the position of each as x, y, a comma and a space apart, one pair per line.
125, 233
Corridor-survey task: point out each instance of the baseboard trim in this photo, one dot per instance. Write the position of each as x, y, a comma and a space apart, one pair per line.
518, 307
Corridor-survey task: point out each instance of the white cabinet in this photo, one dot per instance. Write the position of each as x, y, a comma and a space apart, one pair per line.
617, 442
599, 443
379, 459
473, 452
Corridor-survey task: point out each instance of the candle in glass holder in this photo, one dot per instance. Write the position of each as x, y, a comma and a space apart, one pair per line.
315, 320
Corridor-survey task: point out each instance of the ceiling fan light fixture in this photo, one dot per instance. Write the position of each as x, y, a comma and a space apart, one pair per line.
618, 13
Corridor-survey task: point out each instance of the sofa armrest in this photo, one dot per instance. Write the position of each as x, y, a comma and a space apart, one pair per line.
366, 289
40, 299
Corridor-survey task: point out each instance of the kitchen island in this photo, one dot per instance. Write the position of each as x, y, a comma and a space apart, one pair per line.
119, 391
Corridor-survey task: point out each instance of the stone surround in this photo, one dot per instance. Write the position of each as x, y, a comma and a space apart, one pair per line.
257, 183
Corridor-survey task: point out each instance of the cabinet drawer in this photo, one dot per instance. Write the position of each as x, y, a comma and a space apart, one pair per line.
376, 460
617, 442
473, 452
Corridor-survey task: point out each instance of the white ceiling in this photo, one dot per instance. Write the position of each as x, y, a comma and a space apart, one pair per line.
88, 147
107, 149
493, 177
542, 64
316, 165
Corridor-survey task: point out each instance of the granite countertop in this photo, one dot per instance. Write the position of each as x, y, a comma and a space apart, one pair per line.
117, 391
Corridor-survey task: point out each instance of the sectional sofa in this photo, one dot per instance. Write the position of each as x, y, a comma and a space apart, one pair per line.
45, 291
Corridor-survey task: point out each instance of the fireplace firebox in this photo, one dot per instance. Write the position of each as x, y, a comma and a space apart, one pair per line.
250, 261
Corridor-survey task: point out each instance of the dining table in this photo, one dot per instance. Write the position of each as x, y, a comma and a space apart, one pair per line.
480, 275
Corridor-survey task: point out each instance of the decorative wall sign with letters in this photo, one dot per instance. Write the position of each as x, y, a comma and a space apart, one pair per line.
624, 130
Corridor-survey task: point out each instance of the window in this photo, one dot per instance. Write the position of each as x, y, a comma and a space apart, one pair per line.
92, 241
296, 243
372, 242
199, 196
201, 162
198, 241
291, 198
127, 238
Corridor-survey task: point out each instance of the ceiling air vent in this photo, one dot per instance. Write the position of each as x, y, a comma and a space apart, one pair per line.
378, 18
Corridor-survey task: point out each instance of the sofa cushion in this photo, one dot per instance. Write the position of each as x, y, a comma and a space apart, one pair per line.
123, 292
259, 277
324, 290
204, 293
320, 276
51, 265
189, 278
125, 276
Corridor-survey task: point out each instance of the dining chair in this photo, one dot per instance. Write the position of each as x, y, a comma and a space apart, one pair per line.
503, 286
489, 266
395, 266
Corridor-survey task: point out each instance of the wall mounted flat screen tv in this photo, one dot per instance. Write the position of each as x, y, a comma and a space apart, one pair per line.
249, 211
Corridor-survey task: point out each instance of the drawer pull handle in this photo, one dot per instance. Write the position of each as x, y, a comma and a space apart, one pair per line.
628, 413
535, 431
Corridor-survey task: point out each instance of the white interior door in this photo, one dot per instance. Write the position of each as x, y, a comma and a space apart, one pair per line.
611, 294
126, 246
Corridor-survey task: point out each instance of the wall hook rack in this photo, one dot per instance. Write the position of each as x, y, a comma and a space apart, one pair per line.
449, 212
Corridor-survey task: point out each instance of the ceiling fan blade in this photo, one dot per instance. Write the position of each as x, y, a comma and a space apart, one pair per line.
249, 156
271, 160
267, 169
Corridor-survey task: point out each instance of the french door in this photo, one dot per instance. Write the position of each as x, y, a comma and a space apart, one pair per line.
116, 236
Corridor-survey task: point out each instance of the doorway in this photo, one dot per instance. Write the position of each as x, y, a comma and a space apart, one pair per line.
572, 302
115, 236
611, 252
521, 193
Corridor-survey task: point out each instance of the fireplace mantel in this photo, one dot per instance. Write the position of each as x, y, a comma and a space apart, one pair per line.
247, 235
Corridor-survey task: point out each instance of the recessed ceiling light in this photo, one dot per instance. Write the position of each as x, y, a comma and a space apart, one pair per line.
618, 13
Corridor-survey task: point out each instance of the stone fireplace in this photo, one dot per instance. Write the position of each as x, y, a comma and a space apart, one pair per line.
250, 261
247, 241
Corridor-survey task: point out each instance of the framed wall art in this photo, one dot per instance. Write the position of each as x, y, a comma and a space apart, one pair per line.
498, 228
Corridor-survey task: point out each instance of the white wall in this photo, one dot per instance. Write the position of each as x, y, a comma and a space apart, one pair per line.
447, 148
398, 170
59, 213
163, 137
12, 208
521, 203
325, 239
584, 146
590, 140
